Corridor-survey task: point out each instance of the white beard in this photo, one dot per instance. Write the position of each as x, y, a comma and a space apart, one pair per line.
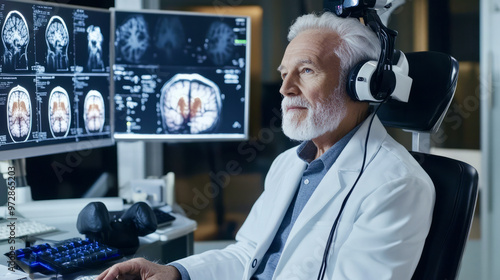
324, 118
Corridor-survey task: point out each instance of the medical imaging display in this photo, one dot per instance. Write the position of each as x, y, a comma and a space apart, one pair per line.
180, 76
54, 77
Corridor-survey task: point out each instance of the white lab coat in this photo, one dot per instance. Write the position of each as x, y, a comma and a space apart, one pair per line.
380, 234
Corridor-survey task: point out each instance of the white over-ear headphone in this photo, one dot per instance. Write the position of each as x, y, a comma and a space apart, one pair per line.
363, 85
375, 81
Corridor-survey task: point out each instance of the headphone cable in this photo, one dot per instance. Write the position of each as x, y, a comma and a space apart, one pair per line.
324, 262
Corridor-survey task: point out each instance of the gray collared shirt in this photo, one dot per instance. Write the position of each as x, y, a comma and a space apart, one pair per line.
315, 170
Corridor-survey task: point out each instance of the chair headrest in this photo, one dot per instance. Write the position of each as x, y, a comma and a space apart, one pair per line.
434, 77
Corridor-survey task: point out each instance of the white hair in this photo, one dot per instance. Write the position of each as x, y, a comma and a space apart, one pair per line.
358, 42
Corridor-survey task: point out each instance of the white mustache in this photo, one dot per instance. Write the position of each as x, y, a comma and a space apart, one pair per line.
294, 102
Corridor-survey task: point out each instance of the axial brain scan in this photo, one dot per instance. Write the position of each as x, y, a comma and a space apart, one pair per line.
190, 103
57, 38
19, 114
220, 42
132, 39
95, 40
15, 39
59, 112
170, 36
93, 111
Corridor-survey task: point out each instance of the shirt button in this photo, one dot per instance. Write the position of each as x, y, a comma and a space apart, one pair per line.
254, 263
306, 181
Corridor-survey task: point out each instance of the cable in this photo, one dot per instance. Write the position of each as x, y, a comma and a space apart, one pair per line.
324, 262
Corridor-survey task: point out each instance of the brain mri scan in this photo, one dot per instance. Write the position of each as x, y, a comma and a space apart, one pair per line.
132, 39
57, 38
19, 114
219, 43
15, 39
190, 103
59, 112
93, 112
170, 37
95, 40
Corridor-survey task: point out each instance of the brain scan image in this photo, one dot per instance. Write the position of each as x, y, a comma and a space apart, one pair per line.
95, 40
57, 38
132, 39
19, 114
15, 39
219, 42
190, 104
170, 37
59, 112
93, 112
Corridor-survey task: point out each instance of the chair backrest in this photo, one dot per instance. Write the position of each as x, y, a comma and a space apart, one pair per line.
434, 82
435, 78
456, 186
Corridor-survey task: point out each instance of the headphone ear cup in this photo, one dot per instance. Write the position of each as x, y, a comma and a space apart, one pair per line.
142, 217
352, 77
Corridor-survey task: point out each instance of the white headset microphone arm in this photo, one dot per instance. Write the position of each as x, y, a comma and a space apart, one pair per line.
403, 81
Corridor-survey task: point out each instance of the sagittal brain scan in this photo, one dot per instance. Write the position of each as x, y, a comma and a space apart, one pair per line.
19, 114
15, 39
57, 38
132, 39
59, 112
220, 42
93, 112
190, 103
95, 40
170, 37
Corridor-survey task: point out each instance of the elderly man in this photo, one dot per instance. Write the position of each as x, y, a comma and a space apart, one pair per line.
381, 230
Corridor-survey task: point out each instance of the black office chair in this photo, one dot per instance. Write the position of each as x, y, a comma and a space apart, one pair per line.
434, 82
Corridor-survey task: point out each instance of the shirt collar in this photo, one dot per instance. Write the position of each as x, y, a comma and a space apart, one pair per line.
307, 150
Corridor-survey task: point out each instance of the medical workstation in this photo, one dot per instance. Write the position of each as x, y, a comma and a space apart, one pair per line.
146, 128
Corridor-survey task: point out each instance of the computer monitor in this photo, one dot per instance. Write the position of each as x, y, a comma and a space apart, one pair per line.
54, 79
180, 76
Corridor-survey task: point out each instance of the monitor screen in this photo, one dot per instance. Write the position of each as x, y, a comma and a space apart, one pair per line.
180, 76
54, 79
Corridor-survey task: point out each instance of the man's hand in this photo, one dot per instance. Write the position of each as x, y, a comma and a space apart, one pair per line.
140, 268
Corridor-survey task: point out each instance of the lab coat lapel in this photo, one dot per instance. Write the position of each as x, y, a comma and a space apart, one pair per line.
341, 176
281, 199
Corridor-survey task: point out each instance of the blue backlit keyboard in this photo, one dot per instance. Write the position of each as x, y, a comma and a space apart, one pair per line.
66, 257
